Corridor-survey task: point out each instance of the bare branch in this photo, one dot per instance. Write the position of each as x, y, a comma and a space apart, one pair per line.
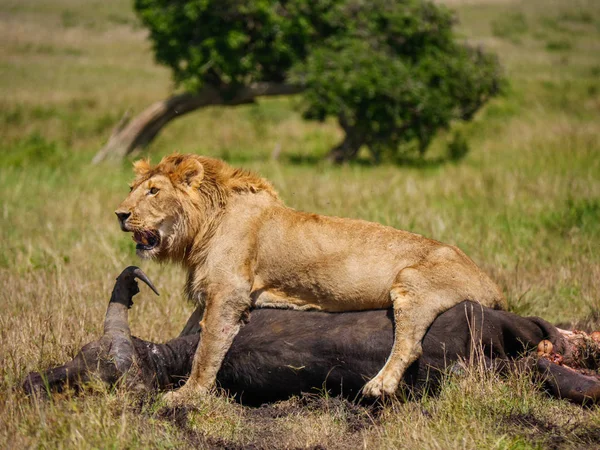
143, 128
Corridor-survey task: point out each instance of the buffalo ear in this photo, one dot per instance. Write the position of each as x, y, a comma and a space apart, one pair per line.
141, 167
190, 171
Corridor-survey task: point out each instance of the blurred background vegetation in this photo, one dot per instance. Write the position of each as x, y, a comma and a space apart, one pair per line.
522, 199
391, 72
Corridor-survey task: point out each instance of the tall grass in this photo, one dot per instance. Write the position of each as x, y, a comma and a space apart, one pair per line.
524, 203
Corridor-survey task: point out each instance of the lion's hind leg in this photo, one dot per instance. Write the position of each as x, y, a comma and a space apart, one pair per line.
419, 295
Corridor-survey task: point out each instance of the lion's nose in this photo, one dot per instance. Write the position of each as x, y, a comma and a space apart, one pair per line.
122, 216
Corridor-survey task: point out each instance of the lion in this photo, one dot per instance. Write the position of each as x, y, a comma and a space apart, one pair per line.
243, 249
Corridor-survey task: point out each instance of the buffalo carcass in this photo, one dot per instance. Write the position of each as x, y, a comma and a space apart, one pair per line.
280, 353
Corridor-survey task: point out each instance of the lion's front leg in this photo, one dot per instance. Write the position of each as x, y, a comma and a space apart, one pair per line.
221, 323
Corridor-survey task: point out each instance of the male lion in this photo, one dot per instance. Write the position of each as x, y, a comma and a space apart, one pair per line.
244, 248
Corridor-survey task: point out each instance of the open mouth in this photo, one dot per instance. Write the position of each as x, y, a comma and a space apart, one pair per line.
146, 239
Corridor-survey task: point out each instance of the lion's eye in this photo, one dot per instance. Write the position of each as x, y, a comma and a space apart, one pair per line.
153, 191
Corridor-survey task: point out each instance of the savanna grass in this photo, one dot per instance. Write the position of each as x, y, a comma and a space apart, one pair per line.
524, 203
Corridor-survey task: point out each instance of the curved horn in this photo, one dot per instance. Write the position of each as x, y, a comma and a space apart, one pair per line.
139, 274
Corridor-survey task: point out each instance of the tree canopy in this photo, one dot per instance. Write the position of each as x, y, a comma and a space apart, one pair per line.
392, 72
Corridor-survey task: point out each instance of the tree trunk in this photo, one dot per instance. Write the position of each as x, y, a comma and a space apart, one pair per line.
349, 147
129, 135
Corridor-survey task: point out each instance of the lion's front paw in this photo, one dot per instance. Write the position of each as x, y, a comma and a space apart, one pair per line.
184, 395
381, 385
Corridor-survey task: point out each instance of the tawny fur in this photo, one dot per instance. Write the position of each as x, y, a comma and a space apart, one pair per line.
244, 248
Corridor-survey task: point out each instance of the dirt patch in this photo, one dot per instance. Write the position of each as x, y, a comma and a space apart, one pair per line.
550, 435
356, 417
268, 426
530, 422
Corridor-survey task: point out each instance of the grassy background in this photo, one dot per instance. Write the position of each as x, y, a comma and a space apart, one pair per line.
524, 204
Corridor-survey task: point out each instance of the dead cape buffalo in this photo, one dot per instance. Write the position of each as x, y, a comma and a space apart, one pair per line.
280, 353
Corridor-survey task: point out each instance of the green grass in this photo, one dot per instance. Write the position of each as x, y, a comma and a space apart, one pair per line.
524, 203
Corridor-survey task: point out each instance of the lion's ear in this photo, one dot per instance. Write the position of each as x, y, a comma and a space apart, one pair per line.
141, 167
190, 171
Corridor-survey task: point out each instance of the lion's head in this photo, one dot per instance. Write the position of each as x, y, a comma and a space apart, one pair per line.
173, 203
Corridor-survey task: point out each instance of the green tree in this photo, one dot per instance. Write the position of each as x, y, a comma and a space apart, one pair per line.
391, 71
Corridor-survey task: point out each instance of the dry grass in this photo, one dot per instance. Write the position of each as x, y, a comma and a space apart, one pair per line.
525, 204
